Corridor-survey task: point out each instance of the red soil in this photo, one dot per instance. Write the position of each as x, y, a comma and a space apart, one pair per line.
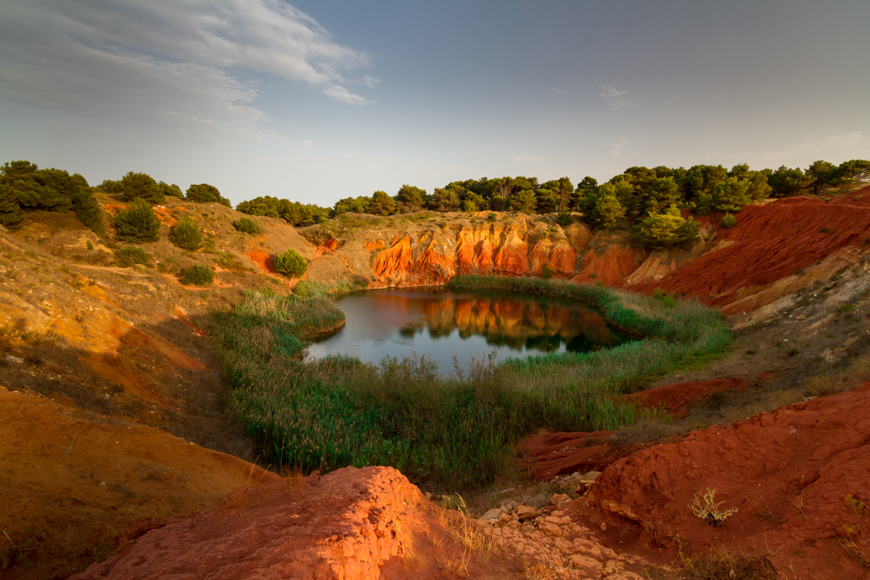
771, 242
788, 473
677, 398
352, 524
262, 259
548, 455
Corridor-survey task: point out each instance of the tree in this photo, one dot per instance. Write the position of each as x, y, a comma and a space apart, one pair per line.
786, 182
759, 189
142, 186
853, 173
665, 229
699, 183
562, 189
546, 200
137, 223
205, 193
410, 198
382, 204
524, 201
170, 190
731, 195
186, 234
291, 264
822, 174
353, 204
13, 169
585, 194
444, 200
10, 211
663, 192
608, 210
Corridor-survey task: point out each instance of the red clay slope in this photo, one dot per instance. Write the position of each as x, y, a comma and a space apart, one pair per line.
789, 473
771, 242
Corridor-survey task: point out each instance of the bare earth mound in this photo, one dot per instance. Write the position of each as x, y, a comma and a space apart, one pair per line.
350, 524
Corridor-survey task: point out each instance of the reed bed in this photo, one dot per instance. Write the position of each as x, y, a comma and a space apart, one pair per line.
453, 432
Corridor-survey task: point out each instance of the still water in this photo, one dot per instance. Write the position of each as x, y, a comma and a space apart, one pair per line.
444, 325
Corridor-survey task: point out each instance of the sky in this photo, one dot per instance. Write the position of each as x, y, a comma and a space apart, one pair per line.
319, 100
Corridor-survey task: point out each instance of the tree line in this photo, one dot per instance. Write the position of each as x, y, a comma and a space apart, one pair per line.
656, 203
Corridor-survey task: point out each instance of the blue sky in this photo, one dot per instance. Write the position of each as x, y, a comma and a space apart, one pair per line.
320, 100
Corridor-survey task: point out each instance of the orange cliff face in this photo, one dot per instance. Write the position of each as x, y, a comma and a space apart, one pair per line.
433, 257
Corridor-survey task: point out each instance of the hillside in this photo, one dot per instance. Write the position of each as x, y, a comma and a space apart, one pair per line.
112, 390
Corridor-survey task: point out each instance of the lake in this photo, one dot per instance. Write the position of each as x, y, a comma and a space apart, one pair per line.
443, 325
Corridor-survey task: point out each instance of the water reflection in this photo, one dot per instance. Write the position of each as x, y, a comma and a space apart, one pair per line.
447, 324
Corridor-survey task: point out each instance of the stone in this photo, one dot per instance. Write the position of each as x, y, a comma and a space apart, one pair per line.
550, 529
525, 512
492, 515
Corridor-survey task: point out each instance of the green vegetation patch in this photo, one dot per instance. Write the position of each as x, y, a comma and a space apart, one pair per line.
448, 431
197, 276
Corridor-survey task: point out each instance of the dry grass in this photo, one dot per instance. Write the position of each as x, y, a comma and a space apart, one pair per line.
848, 540
729, 567
466, 532
539, 572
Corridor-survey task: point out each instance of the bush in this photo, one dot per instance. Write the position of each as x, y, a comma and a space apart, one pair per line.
564, 218
137, 223
126, 257
291, 264
547, 272
728, 221
197, 276
139, 186
248, 226
205, 193
666, 229
186, 234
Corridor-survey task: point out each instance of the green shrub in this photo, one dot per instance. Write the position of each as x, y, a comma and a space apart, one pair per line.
564, 218
547, 272
89, 244
728, 221
126, 257
137, 223
291, 264
186, 234
205, 193
197, 276
247, 225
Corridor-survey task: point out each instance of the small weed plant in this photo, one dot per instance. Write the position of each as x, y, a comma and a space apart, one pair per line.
704, 506
728, 221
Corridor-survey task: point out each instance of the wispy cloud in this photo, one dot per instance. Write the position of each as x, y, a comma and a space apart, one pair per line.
526, 158
615, 98
198, 62
621, 143
559, 91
